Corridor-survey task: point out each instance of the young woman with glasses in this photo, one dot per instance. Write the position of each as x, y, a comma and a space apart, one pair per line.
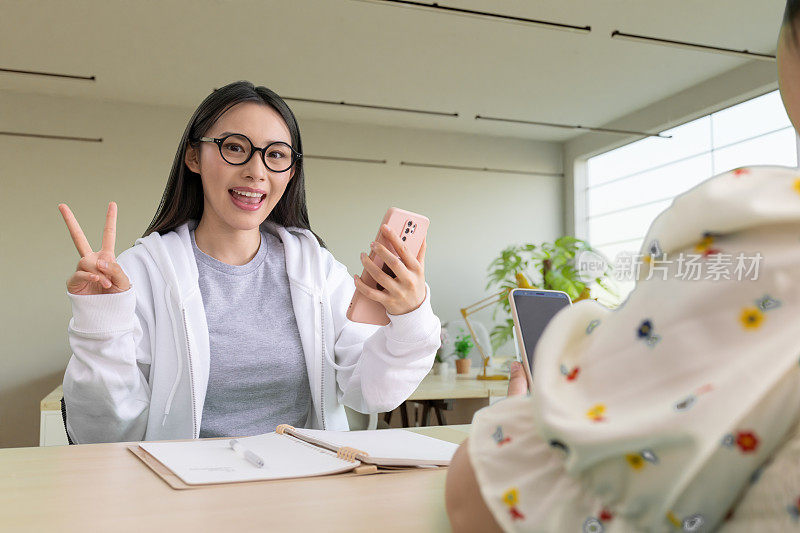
227, 317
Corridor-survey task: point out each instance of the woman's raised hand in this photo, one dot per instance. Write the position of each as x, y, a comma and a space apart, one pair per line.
517, 383
406, 291
97, 272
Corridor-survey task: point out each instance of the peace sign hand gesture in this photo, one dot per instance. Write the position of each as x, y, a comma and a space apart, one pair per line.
97, 272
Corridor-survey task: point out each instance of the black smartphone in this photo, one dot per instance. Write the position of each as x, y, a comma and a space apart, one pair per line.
532, 310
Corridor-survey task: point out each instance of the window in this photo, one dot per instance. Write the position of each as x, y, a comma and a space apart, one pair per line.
628, 187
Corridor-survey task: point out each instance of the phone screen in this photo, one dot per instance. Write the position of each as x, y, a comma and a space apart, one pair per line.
534, 310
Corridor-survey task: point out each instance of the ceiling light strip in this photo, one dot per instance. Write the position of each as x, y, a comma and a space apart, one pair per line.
350, 159
434, 6
48, 74
482, 169
370, 106
747, 54
573, 127
56, 137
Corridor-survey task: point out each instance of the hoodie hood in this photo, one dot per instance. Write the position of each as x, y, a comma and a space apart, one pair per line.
163, 248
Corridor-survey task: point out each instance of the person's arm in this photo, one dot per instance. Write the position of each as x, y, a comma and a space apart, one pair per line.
106, 394
465, 506
105, 391
379, 367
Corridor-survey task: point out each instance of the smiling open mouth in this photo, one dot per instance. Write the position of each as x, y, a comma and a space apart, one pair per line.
249, 201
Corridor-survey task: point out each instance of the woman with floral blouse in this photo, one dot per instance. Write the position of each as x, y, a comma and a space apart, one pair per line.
679, 410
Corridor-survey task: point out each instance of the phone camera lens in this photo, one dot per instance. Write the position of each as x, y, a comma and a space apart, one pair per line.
404, 238
406, 230
409, 223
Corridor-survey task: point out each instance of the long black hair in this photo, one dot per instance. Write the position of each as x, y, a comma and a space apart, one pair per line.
790, 15
183, 195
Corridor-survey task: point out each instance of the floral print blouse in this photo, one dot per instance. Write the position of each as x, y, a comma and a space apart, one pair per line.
677, 411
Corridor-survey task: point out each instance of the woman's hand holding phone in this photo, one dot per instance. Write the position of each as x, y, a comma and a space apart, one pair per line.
517, 382
97, 272
404, 292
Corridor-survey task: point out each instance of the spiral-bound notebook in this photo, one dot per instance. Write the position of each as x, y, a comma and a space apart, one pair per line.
293, 453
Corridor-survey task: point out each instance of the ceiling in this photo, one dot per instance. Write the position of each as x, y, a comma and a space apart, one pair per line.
174, 52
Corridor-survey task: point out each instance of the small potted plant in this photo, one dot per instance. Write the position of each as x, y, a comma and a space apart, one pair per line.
463, 347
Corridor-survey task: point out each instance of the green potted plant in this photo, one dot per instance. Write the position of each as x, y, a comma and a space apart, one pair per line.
463, 347
548, 266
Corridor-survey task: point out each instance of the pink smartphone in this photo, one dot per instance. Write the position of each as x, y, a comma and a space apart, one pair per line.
412, 229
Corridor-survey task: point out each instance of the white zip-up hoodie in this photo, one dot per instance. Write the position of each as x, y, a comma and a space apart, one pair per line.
140, 362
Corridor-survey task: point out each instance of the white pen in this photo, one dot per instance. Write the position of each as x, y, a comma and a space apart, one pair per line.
246, 454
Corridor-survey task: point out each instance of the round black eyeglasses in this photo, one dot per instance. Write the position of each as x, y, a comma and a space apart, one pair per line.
237, 149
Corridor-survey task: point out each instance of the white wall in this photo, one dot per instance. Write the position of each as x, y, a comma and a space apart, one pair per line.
473, 214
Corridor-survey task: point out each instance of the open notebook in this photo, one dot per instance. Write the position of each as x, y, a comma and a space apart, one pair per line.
292, 453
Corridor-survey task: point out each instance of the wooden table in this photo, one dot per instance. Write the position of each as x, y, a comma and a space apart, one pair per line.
436, 392
104, 487
456, 386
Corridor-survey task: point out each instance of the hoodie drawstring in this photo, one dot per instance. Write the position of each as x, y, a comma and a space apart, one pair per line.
178, 354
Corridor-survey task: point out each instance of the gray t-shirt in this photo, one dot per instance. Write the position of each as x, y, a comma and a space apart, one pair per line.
258, 376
